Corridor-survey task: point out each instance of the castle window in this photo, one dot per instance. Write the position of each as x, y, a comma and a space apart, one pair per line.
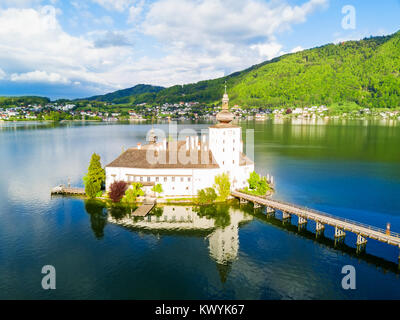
187, 188
157, 179
189, 179
165, 179
173, 179
233, 161
181, 179
141, 179
223, 162
148, 179
223, 150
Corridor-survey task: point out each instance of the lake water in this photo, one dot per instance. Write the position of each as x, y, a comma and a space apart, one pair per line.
350, 169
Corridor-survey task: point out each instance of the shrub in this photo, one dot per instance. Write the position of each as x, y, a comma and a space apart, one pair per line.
257, 185
223, 186
206, 196
158, 189
117, 190
253, 180
131, 194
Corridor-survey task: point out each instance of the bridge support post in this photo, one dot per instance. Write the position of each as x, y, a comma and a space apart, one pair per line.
286, 217
302, 220
257, 205
270, 212
242, 201
339, 236
302, 223
339, 233
319, 229
361, 239
319, 226
361, 243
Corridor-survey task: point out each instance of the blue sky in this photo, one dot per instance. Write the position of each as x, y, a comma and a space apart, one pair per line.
70, 49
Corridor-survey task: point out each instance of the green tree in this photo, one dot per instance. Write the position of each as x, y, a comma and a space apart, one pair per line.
223, 186
257, 185
157, 189
95, 177
206, 196
262, 186
253, 180
132, 193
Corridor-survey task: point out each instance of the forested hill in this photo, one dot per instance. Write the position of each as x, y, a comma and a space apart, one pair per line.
120, 95
366, 72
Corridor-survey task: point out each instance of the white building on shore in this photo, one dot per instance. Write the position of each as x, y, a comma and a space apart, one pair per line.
184, 167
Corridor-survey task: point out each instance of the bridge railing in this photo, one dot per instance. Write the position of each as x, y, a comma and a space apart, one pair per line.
324, 214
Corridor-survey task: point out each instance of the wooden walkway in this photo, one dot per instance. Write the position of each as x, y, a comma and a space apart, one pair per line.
144, 209
321, 219
68, 191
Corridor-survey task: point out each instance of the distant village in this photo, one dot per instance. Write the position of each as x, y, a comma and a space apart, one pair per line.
176, 111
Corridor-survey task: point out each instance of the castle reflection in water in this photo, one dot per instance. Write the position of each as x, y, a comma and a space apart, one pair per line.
220, 224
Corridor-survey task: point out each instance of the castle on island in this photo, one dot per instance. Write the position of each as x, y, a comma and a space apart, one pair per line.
184, 167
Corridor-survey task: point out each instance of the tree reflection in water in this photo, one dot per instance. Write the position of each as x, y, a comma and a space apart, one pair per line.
98, 217
219, 213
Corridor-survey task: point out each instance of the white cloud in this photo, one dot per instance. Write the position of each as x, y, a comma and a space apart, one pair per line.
34, 47
268, 50
224, 35
118, 5
196, 39
2, 74
19, 3
297, 49
39, 76
233, 21
135, 11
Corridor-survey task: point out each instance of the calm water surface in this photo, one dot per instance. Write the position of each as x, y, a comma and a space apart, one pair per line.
349, 169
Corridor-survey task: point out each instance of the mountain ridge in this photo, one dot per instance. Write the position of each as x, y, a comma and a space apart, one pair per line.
365, 72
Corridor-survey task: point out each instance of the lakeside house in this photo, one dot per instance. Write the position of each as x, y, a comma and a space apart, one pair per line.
184, 167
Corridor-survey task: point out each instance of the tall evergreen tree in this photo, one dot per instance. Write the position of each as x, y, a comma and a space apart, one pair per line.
95, 177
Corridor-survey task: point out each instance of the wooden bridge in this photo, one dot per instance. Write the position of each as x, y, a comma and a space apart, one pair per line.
321, 219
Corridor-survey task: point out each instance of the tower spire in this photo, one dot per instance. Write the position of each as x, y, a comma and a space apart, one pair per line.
225, 116
225, 100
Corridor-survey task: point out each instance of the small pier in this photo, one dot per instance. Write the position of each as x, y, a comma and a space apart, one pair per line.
62, 190
144, 209
321, 219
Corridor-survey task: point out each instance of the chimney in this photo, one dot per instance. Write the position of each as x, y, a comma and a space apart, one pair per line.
187, 143
139, 146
